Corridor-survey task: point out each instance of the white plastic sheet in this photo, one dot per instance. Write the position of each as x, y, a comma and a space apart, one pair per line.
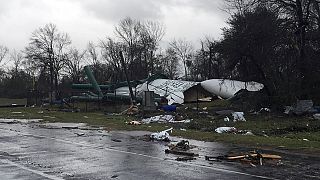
238, 116
225, 130
162, 136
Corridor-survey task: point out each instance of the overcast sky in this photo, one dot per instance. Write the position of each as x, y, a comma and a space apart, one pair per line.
92, 20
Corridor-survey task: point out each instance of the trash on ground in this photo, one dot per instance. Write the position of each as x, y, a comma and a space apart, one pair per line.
226, 119
226, 130
185, 158
160, 119
169, 108
183, 153
238, 116
79, 134
132, 110
251, 158
16, 112
134, 123
116, 140
264, 110
183, 145
316, 116
161, 136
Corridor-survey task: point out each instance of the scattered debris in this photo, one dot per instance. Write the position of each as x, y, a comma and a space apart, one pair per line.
134, 123
116, 140
226, 119
169, 108
132, 110
16, 112
160, 119
253, 158
225, 130
79, 134
183, 153
316, 116
86, 117
238, 116
161, 136
114, 176
183, 145
182, 129
185, 158
305, 139
264, 110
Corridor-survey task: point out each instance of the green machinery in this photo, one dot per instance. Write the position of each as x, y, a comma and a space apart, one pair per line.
109, 89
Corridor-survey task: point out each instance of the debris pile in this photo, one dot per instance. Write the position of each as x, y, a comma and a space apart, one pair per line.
253, 158
182, 148
163, 119
161, 136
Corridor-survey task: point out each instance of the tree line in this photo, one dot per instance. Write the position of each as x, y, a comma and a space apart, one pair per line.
275, 42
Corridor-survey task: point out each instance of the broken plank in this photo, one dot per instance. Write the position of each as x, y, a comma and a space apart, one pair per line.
167, 151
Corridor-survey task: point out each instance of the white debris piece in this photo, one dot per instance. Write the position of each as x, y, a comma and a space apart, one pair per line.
225, 130
171, 89
227, 88
160, 119
226, 119
238, 116
316, 116
162, 136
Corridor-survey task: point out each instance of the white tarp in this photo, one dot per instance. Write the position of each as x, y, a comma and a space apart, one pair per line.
226, 88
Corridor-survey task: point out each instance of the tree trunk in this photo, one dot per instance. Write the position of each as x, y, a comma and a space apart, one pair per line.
132, 98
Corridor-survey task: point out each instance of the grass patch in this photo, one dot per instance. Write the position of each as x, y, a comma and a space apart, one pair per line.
270, 131
7, 101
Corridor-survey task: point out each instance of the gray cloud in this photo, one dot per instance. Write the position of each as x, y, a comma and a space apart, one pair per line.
115, 10
112, 10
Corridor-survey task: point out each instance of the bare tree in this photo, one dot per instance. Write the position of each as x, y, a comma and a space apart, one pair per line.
184, 51
92, 54
110, 52
3, 52
16, 57
48, 48
75, 64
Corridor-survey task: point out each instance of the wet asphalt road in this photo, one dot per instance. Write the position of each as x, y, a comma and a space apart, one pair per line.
28, 151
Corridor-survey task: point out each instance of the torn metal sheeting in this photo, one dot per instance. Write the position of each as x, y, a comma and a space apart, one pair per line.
161, 136
226, 88
175, 91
